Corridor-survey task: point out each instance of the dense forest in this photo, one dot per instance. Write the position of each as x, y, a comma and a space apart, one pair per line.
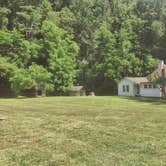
54, 44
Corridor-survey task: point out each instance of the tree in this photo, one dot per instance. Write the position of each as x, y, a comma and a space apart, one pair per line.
162, 82
6, 73
89, 14
67, 37
35, 77
60, 54
3, 17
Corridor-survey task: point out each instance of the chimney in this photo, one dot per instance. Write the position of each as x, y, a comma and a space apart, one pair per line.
161, 67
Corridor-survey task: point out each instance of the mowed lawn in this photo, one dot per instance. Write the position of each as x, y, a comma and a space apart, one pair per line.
83, 131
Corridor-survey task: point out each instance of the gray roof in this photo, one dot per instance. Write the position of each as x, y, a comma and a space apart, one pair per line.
138, 80
78, 88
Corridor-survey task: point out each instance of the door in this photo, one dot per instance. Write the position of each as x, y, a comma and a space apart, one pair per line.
137, 90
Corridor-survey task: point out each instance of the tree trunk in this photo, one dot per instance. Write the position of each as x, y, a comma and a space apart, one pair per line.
164, 90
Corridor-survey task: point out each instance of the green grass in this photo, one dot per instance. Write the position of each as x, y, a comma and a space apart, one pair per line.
83, 131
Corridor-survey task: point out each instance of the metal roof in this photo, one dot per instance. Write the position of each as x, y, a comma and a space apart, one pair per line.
78, 88
138, 80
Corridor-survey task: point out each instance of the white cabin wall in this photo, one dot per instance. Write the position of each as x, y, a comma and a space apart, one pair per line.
131, 88
150, 92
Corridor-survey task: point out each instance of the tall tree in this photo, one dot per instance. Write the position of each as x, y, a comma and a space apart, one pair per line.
60, 54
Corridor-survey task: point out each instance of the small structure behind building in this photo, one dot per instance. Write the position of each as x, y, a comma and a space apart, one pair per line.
31, 92
78, 91
92, 94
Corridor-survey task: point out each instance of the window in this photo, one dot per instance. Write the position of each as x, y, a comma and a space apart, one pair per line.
150, 86
154, 86
123, 88
145, 86
127, 88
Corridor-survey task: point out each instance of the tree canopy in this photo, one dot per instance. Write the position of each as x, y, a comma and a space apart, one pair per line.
90, 42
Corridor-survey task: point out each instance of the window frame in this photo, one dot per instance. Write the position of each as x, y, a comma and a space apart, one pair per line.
127, 88
150, 86
154, 86
123, 88
145, 86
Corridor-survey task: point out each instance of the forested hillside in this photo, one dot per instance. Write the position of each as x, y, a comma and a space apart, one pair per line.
53, 44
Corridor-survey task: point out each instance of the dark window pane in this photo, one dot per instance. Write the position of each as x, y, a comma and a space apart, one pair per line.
145, 86
127, 88
123, 88
154, 86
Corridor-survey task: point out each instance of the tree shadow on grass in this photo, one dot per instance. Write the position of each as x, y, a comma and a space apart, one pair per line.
20, 97
154, 101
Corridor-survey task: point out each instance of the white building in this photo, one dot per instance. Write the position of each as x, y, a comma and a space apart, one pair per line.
141, 86
138, 86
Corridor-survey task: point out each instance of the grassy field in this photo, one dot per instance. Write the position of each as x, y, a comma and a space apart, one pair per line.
83, 131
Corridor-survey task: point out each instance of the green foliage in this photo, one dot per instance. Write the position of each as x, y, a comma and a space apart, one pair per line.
160, 80
86, 41
62, 52
15, 47
35, 77
158, 28
3, 17
6, 69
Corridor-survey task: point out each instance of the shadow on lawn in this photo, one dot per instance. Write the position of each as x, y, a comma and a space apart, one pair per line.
154, 101
20, 97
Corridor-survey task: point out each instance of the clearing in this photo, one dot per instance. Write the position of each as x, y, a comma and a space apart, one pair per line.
82, 131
